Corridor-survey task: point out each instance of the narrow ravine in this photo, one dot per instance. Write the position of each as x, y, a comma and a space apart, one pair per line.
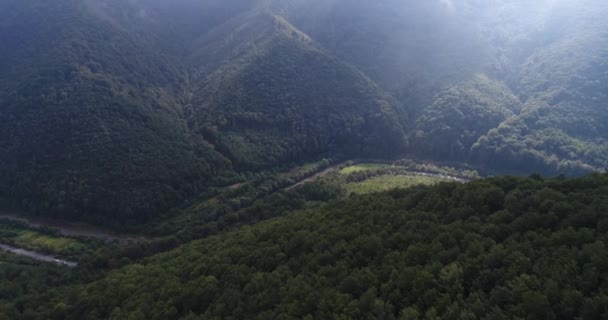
37, 256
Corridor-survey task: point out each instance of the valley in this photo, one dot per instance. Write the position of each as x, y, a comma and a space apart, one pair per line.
303, 159
63, 237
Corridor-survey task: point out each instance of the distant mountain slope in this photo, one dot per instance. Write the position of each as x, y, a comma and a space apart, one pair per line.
531, 48
460, 115
411, 48
563, 126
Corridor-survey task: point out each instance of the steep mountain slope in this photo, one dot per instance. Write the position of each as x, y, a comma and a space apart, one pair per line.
169, 26
115, 111
279, 99
411, 48
91, 130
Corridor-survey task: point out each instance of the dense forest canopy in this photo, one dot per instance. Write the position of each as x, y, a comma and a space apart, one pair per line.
120, 110
500, 248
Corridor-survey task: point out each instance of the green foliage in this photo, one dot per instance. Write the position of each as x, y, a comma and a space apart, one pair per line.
20, 277
495, 248
361, 167
473, 75
462, 172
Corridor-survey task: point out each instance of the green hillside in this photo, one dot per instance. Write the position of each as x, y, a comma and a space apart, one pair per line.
501, 248
122, 132
283, 99
92, 131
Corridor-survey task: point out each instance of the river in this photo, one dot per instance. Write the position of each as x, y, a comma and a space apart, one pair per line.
37, 256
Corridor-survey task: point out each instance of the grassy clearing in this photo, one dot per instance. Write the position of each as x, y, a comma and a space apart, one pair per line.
388, 182
362, 167
40, 242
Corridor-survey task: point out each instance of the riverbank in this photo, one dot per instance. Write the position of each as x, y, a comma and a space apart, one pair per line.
67, 228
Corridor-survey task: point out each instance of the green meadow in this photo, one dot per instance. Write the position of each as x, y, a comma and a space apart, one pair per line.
39, 241
389, 182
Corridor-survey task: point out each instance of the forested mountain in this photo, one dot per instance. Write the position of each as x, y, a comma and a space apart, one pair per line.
303, 159
107, 119
91, 125
116, 111
562, 126
550, 55
460, 115
282, 99
411, 48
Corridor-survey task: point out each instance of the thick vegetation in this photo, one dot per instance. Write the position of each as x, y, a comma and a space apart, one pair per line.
500, 248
